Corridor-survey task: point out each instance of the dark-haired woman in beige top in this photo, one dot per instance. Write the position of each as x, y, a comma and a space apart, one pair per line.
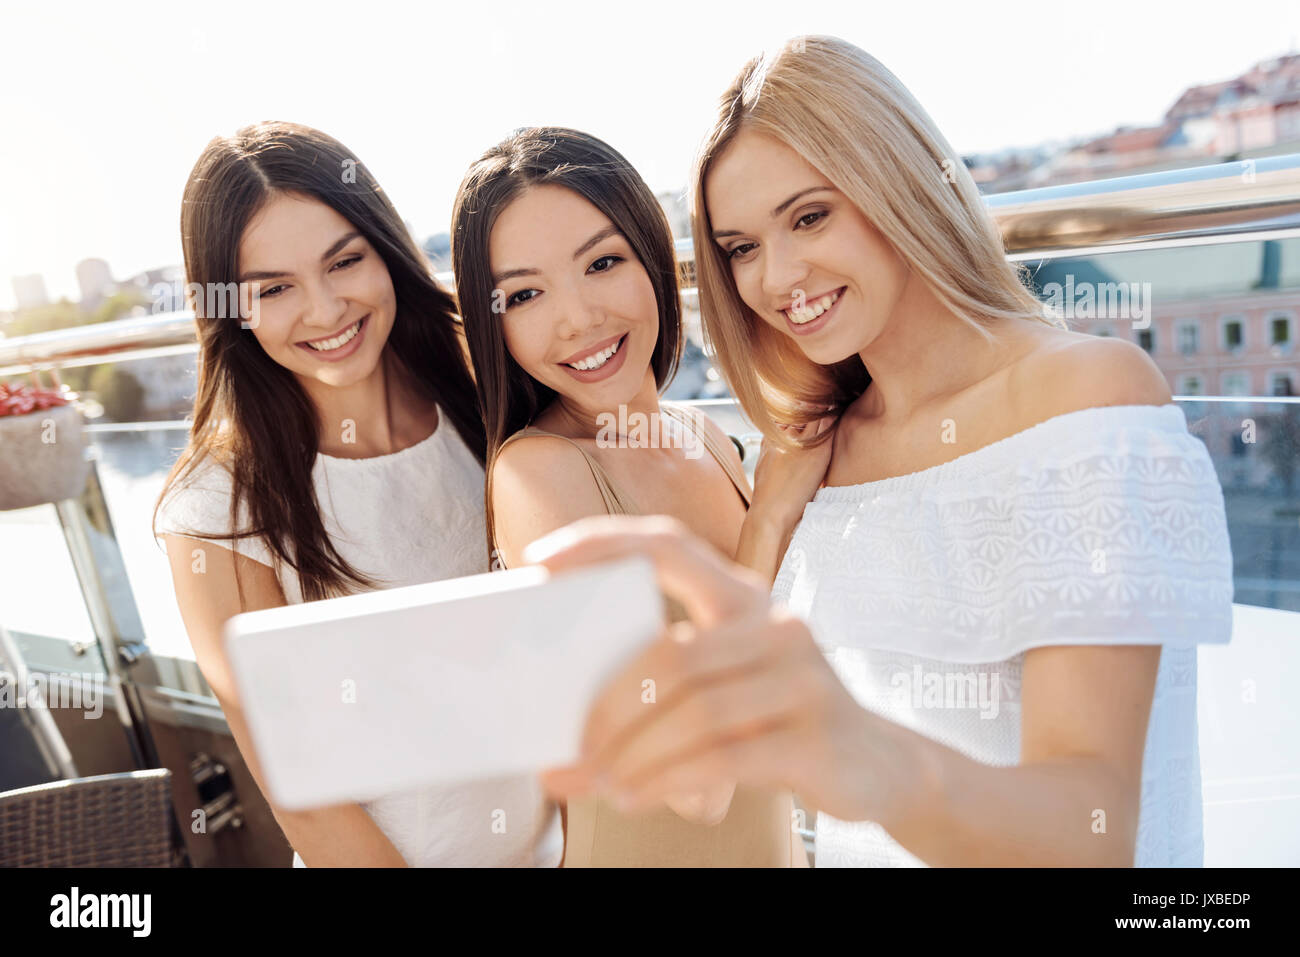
567, 284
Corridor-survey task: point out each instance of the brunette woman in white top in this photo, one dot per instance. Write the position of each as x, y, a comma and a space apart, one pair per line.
1016, 551
336, 447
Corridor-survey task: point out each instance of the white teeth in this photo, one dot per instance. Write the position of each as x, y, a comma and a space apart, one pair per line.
597, 360
813, 309
342, 339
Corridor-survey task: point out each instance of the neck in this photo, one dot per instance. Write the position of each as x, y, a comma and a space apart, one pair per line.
370, 417
579, 421
924, 352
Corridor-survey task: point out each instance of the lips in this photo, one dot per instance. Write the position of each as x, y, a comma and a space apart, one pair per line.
606, 348
599, 362
812, 307
336, 341
345, 343
815, 313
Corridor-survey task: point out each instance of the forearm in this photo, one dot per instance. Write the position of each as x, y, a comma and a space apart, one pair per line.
952, 811
763, 540
341, 835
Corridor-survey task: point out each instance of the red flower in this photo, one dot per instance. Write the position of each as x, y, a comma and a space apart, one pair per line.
21, 399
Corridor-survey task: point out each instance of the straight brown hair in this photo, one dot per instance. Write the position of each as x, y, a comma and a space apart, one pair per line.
250, 413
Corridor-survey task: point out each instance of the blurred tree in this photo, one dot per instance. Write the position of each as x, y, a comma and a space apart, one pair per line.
63, 314
120, 304
119, 392
57, 315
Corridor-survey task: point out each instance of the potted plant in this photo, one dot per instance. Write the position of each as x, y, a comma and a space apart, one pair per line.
42, 446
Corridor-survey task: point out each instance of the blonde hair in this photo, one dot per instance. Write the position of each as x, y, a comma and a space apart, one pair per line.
848, 116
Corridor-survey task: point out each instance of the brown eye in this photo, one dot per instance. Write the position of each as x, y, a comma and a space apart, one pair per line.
528, 296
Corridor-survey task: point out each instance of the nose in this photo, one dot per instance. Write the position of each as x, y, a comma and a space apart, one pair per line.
577, 314
325, 307
783, 271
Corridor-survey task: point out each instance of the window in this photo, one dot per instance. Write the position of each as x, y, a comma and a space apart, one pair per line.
1189, 337
1232, 333
1190, 385
1147, 340
1236, 383
1280, 333
1282, 382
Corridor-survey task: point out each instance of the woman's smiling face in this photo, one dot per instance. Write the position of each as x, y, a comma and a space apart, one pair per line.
323, 297
580, 311
804, 258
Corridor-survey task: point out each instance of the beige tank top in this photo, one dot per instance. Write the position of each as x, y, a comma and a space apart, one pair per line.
759, 829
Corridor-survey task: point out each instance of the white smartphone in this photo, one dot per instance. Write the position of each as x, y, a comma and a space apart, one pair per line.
351, 698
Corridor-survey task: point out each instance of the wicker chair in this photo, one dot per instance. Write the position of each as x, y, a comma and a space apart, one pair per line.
109, 820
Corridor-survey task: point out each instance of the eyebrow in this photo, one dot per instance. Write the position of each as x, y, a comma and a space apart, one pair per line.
334, 248
599, 237
720, 233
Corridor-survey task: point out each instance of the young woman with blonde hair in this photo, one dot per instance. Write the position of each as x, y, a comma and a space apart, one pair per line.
1016, 550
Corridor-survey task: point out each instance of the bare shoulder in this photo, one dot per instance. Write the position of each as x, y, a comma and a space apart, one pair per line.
539, 483
1068, 372
539, 461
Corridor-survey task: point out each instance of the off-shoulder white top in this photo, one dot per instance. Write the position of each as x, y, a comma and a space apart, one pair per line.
1101, 526
410, 517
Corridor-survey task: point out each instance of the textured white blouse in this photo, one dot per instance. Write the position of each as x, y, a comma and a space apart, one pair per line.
1103, 526
410, 517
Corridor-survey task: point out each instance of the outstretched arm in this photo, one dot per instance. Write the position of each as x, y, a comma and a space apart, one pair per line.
342, 835
745, 694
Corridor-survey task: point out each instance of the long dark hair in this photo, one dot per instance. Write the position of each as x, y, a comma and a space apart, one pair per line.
509, 397
250, 413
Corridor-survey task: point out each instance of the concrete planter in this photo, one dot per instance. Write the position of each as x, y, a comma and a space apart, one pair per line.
42, 457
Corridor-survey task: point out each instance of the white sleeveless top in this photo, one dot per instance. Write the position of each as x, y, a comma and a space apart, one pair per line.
1103, 526
410, 517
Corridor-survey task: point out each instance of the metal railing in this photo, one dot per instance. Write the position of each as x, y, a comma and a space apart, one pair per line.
1228, 202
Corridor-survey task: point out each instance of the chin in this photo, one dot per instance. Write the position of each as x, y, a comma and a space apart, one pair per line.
342, 377
828, 355
839, 348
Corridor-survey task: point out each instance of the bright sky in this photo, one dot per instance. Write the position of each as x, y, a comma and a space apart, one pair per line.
104, 109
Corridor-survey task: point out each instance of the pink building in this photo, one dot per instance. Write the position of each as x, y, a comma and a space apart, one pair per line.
1218, 320
1237, 344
